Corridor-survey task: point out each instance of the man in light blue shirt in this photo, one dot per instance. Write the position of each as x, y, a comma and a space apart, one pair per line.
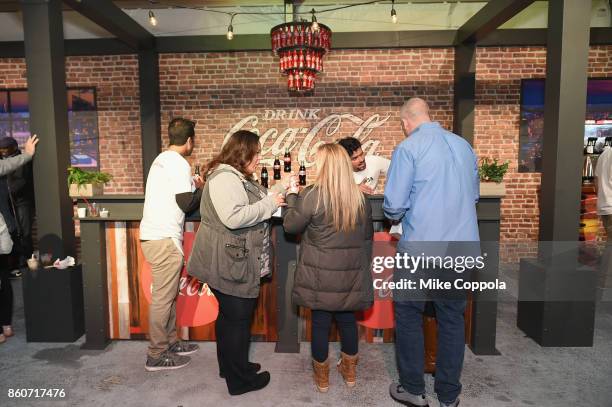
432, 188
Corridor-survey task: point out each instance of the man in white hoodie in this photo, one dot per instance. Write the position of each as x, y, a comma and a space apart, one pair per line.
170, 193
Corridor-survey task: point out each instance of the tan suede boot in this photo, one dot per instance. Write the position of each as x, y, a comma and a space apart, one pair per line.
347, 366
321, 375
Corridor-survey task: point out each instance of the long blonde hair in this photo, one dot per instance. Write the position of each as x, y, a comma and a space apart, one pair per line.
338, 193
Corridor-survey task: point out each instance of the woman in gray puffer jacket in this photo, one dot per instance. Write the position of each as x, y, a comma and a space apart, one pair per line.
333, 274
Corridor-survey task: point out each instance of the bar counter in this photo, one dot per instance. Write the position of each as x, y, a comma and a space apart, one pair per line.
116, 305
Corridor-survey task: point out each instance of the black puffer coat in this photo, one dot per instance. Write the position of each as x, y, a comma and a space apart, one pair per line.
333, 271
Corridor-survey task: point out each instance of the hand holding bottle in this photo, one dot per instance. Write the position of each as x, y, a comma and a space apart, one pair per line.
363, 187
286, 179
198, 182
294, 184
280, 199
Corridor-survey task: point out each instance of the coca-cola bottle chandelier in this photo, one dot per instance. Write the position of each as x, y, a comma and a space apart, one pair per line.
300, 46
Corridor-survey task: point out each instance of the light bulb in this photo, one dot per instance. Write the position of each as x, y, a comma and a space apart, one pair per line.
230, 32
393, 16
315, 24
152, 19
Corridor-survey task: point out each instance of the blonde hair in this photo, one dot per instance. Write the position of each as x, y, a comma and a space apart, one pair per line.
338, 193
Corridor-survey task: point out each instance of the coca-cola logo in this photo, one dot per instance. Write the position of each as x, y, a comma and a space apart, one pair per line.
196, 305
275, 141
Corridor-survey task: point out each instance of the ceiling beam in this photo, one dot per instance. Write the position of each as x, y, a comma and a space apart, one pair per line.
110, 17
488, 18
261, 42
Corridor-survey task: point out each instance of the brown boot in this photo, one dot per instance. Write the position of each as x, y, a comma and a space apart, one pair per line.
347, 366
321, 375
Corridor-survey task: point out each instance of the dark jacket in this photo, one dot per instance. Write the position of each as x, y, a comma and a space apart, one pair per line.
7, 166
16, 189
333, 271
21, 185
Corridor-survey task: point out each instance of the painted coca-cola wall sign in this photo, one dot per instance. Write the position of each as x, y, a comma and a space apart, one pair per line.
304, 141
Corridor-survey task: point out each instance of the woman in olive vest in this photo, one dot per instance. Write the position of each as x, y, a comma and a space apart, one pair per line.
333, 274
231, 253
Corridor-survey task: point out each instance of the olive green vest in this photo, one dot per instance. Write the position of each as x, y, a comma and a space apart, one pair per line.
229, 260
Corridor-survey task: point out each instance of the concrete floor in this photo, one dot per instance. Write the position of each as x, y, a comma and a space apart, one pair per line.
523, 375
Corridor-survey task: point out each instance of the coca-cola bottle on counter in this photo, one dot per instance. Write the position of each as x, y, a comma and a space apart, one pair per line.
287, 161
277, 168
302, 173
264, 177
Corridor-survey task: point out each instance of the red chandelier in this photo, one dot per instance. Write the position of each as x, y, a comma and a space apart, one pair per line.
300, 45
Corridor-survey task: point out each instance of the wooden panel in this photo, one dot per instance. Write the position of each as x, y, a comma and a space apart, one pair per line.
265, 324
121, 265
126, 252
139, 307
113, 300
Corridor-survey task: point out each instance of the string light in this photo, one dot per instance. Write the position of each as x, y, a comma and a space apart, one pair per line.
230, 28
152, 18
315, 24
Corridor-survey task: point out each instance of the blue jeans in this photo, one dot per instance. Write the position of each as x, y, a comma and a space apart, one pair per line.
410, 352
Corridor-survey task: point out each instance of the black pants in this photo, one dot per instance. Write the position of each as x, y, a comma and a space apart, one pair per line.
321, 322
233, 333
24, 242
6, 293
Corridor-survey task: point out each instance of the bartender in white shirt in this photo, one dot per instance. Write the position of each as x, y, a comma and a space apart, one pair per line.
366, 168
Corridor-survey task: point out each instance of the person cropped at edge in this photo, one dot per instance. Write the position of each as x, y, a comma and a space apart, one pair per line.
7, 166
432, 187
169, 194
232, 251
333, 276
17, 208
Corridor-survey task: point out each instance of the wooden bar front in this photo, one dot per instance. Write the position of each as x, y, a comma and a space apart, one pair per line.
127, 315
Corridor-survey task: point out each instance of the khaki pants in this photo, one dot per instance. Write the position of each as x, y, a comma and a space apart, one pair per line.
166, 264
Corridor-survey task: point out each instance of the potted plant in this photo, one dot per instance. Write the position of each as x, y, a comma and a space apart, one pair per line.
491, 177
86, 183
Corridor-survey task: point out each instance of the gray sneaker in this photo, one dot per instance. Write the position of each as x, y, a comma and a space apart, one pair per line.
397, 393
453, 404
182, 348
166, 361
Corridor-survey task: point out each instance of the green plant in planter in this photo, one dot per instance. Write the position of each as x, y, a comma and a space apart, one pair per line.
492, 171
79, 177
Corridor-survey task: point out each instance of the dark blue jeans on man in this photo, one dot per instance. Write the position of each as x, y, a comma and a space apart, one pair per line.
449, 305
410, 352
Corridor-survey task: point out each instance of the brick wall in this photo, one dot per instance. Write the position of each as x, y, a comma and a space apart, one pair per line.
498, 74
116, 81
220, 89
